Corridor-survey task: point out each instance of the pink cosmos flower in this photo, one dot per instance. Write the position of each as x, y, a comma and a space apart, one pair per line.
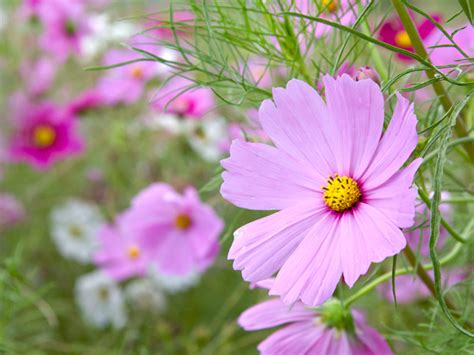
120, 253
124, 84
178, 98
87, 100
43, 134
330, 330
11, 210
441, 56
410, 288
178, 232
343, 12
393, 32
65, 25
38, 76
336, 181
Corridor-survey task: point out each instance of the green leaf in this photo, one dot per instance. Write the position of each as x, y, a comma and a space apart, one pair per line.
468, 8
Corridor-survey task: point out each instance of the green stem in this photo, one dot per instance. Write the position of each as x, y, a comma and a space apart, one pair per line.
438, 87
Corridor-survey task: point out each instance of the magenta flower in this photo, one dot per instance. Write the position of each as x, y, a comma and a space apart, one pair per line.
43, 134
393, 32
336, 181
450, 55
124, 84
178, 97
120, 253
178, 232
329, 330
87, 100
65, 26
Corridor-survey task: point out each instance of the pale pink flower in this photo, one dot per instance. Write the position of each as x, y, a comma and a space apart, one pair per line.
329, 330
38, 75
179, 97
11, 210
43, 133
124, 84
120, 254
336, 181
65, 25
178, 232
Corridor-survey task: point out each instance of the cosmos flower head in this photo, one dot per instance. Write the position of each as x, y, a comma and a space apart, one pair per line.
330, 329
100, 300
74, 227
336, 181
393, 32
119, 253
443, 53
43, 134
124, 84
179, 232
178, 97
65, 25
90, 99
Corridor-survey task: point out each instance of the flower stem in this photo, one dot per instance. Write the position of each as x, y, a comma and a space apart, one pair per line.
438, 87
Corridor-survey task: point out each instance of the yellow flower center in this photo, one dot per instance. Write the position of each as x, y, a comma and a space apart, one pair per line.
44, 136
329, 5
341, 193
402, 39
75, 231
182, 221
137, 72
133, 252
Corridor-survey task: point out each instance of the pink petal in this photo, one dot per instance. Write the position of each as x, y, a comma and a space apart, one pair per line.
260, 248
273, 313
261, 177
313, 270
357, 108
396, 145
373, 342
368, 236
396, 198
297, 124
296, 338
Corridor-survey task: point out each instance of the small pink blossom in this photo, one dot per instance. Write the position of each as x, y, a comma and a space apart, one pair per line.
179, 97
43, 134
393, 32
120, 253
87, 100
179, 233
330, 330
11, 210
336, 181
38, 75
124, 84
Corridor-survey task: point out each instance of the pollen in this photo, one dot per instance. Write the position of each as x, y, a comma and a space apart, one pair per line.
183, 221
133, 252
136, 72
341, 193
402, 39
44, 136
329, 5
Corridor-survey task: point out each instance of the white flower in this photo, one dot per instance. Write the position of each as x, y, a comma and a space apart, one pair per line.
145, 295
208, 137
100, 300
74, 229
174, 283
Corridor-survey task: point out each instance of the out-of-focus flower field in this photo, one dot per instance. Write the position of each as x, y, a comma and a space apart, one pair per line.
234, 177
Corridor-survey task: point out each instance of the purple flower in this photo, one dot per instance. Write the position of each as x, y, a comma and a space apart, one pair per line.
120, 254
329, 330
124, 84
43, 134
336, 181
179, 98
178, 232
